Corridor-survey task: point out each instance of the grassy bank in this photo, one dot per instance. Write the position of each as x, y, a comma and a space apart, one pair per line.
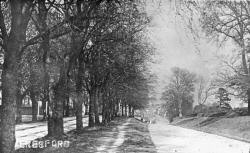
236, 127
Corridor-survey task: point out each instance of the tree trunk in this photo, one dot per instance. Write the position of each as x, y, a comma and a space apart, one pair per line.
79, 103
46, 99
76, 46
34, 105
112, 106
126, 110
180, 112
12, 46
67, 107
104, 110
96, 107
32, 92
104, 115
109, 110
104, 118
180, 108
248, 100
44, 109
56, 120
129, 111
79, 123
91, 108
116, 108
8, 107
122, 110
44, 49
243, 58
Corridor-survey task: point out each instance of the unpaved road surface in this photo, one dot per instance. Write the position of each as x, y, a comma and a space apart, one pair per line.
173, 139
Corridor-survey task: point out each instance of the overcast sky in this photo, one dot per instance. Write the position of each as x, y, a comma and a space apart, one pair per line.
175, 47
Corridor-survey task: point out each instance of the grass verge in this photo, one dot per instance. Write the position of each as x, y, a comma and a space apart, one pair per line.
236, 127
137, 139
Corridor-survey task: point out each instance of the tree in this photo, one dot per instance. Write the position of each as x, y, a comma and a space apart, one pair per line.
171, 105
12, 44
205, 89
179, 90
41, 25
223, 97
228, 20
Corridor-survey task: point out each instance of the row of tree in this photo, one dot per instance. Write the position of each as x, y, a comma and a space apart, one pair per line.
72, 49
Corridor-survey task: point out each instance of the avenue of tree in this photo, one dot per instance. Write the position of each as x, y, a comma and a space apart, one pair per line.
90, 51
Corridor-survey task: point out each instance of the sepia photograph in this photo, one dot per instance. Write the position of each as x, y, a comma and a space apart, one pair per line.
124, 76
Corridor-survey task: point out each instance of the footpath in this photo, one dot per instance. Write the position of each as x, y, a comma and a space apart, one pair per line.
123, 135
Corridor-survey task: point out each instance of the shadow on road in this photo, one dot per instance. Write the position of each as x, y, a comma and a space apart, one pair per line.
121, 135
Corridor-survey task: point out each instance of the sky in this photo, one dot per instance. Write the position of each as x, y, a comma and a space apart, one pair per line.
176, 47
